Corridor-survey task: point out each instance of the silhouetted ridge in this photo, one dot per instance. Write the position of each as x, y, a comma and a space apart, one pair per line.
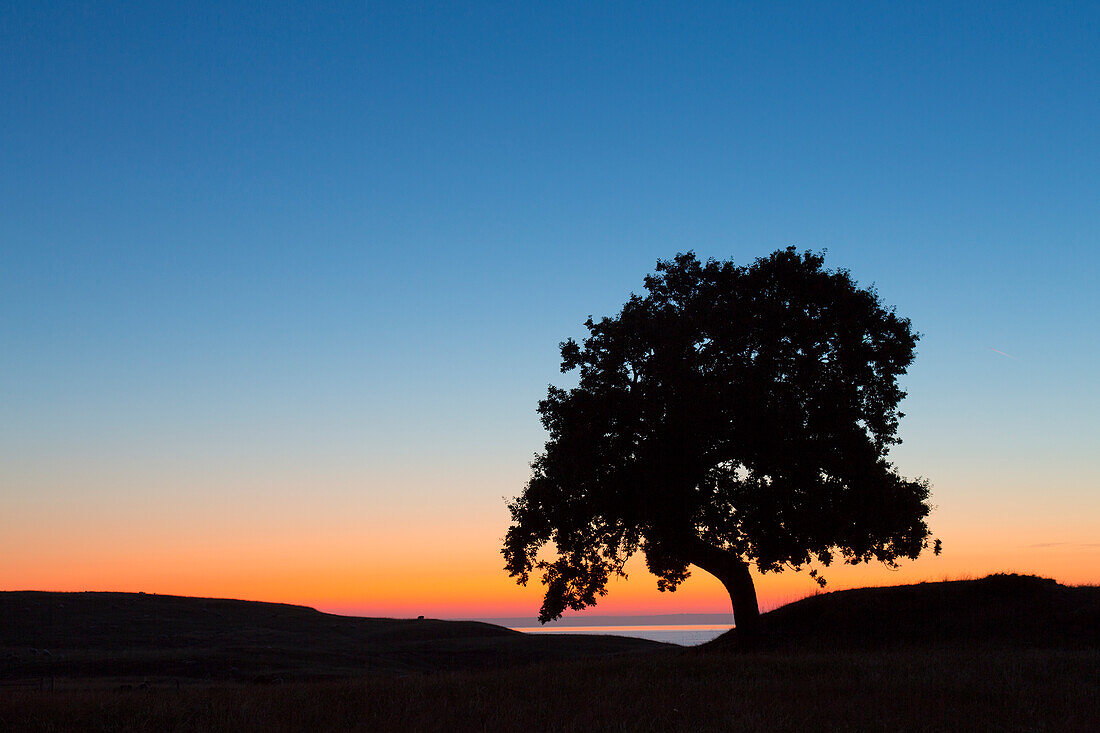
130, 620
124, 635
1005, 609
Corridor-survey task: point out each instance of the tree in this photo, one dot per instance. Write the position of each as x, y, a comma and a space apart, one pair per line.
732, 415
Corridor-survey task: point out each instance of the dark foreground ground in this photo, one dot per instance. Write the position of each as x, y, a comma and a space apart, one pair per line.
964, 690
860, 676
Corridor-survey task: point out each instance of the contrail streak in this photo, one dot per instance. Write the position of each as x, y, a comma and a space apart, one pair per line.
1010, 356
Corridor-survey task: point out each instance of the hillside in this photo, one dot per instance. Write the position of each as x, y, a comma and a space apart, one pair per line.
1002, 609
911, 674
124, 637
131, 636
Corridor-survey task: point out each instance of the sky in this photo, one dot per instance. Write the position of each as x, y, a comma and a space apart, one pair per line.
281, 284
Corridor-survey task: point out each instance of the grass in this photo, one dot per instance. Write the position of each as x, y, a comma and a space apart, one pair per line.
999, 653
956, 689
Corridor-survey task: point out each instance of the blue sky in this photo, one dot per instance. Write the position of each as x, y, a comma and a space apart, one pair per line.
342, 243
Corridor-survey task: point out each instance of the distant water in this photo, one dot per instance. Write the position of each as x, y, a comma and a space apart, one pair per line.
682, 634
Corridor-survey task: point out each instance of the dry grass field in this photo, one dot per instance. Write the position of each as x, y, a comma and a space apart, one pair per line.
1001, 653
898, 690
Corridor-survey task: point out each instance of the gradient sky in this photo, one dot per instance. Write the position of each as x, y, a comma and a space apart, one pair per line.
280, 287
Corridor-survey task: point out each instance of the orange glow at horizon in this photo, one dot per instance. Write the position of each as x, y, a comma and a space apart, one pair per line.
468, 583
408, 556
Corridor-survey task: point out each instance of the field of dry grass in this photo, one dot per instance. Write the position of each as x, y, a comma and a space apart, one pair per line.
944, 689
999, 653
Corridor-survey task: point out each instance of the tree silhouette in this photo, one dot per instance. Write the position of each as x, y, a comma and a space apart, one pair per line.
732, 415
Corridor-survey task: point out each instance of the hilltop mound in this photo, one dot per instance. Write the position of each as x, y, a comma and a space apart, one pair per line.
1016, 610
134, 635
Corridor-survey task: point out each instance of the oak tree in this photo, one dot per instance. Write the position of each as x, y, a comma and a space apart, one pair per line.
732, 416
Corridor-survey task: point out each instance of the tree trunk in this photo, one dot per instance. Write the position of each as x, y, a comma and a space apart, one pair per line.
734, 574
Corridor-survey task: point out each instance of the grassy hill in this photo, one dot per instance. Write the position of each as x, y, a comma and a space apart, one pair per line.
131, 635
1002, 609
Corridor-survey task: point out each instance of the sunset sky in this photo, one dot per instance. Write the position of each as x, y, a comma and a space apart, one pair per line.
281, 284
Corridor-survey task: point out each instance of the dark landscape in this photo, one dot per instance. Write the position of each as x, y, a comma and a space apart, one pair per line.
1005, 652
89, 638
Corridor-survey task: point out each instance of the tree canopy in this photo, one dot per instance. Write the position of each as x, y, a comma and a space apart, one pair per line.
731, 415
